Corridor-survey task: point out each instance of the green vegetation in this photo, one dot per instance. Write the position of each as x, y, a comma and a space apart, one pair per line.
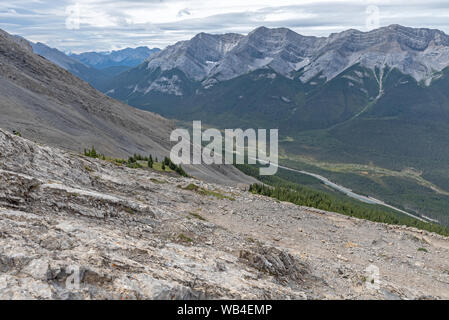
134, 165
157, 166
182, 237
325, 199
117, 162
92, 153
343, 121
205, 192
310, 198
138, 161
129, 210
191, 187
406, 189
423, 250
177, 168
198, 216
158, 181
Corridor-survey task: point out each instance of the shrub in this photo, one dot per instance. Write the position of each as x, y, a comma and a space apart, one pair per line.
92, 153
177, 168
134, 165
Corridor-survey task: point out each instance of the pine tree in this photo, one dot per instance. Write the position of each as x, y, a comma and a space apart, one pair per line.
150, 162
93, 152
163, 166
180, 171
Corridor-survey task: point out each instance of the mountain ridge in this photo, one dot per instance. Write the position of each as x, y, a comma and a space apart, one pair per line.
94, 67
203, 58
128, 57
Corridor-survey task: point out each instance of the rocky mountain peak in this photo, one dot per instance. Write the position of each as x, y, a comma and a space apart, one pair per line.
416, 52
207, 59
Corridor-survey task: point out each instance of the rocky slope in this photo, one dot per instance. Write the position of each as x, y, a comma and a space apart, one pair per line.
49, 104
139, 234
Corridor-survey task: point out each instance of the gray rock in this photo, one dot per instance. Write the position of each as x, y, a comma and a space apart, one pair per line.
65, 233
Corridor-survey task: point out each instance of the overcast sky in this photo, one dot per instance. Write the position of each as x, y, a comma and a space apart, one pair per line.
93, 25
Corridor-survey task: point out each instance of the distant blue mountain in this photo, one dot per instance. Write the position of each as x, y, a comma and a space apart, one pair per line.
95, 68
128, 57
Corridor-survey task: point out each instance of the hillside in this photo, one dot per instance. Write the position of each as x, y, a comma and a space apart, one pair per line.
140, 234
376, 100
50, 105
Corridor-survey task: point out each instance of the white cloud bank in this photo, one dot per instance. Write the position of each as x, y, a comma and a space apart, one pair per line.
109, 24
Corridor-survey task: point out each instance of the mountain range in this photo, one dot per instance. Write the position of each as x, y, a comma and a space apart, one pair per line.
81, 226
95, 67
128, 57
377, 99
209, 59
369, 110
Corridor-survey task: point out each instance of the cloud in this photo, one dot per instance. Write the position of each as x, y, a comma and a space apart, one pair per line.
109, 24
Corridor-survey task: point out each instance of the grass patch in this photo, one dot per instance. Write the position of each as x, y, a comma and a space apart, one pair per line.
92, 153
134, 165
205, 192
191, 187
215, 194
138, 161
196, 215
129, 210
423, 250
158, 167
157, 181
182, 237
117, 162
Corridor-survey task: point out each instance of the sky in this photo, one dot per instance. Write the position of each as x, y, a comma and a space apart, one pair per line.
103, 25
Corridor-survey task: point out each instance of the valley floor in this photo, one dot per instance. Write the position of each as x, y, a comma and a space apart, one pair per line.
140, 234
